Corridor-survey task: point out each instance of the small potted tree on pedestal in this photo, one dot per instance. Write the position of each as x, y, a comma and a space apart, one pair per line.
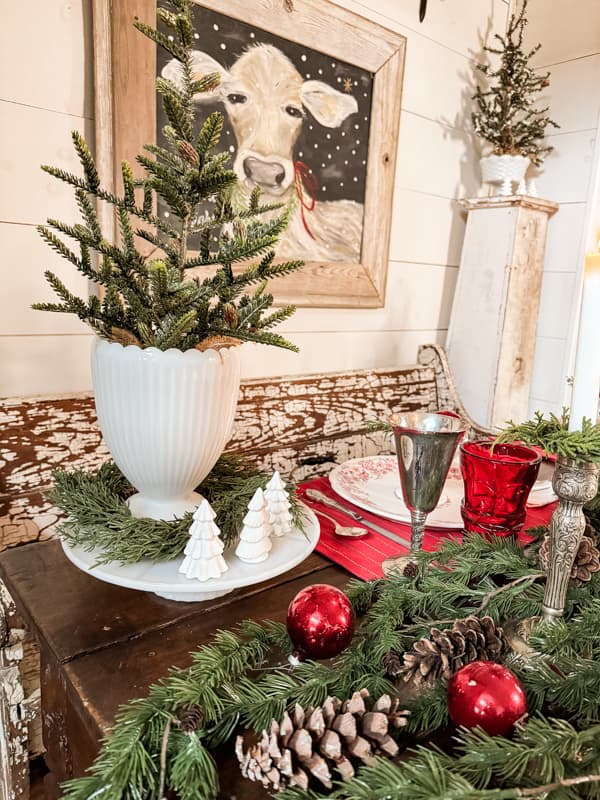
506, 116
165, 365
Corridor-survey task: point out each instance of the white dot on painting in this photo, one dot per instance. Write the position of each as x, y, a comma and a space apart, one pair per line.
365, 94
356, 127
337, 147
303, 57
356, 83
343, 133
363, 163
358, 141
346, 162
324, 189
328, 155
300, 153
355, 179
322, 165
310, 171
215, 27
196, 36
333, 64
252, 35
307, 75
223, 46
316, 145
366, 119
171, 38
339, 80
320, 71
341, 183
354, 152
310, 127
328, 136
231, 148
167, 215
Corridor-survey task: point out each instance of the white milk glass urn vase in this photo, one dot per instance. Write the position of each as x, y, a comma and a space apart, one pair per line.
165, 417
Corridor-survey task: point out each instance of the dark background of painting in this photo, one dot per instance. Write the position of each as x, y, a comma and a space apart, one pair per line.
337, 156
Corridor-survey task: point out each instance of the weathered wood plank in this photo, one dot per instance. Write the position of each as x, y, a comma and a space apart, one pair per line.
14, 757
285, 416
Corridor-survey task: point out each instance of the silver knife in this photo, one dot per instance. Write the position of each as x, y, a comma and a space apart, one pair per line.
320, 497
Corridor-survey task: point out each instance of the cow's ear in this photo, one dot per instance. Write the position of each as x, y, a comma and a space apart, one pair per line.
202, 64
326, 104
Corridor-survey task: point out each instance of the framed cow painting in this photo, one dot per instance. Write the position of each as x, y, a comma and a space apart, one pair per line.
310, 94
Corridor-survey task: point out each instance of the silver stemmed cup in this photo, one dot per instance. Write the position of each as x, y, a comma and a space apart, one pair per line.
425, 446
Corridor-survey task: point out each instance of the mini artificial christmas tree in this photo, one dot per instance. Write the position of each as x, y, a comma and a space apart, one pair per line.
203, 552
255, 540
506, 115
278, 506
148, 299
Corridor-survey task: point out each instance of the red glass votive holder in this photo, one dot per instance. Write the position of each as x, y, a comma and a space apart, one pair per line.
497, 484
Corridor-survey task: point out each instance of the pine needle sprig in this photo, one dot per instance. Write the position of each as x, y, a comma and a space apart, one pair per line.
95, 507
553, 436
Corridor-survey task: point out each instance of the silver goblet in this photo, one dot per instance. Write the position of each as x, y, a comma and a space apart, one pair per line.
425, 446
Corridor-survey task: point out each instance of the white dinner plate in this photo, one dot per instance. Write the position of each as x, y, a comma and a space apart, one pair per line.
164, 579
373, 483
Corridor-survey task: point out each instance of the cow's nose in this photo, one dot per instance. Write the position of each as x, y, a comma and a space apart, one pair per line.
264, 173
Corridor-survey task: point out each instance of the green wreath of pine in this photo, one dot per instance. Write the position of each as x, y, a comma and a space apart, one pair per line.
99, 519
557, 750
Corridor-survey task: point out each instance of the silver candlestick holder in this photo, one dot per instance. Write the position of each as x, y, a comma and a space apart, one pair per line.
425, 446
575, 483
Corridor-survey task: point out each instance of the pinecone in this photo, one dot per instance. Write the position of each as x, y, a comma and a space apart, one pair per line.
392, 663
190, 719
587, 560
411, 570
313, 742
445, 652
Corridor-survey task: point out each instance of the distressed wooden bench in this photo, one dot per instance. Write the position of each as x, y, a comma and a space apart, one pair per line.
301, 425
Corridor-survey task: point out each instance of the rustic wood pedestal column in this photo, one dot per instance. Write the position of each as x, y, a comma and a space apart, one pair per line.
491, 337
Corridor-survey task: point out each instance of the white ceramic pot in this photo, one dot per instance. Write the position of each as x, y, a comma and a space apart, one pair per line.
504, 172
165, 417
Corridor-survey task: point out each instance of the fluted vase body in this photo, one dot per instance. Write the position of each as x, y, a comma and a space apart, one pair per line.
165, 417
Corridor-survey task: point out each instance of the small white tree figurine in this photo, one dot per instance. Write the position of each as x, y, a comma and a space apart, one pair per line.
278, 505
255, 537
203, 552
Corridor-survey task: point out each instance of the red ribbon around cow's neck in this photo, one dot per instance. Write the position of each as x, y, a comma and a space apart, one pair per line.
306, 187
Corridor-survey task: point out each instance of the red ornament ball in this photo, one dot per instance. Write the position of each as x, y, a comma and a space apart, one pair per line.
320, 621
486, 694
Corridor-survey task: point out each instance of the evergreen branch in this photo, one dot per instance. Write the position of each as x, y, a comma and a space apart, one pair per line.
553, 436
95, 508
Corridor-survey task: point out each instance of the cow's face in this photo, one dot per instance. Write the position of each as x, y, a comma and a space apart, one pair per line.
265, 98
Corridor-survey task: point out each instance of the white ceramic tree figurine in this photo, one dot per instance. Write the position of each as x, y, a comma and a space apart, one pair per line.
255, 536
278, 505
203, 552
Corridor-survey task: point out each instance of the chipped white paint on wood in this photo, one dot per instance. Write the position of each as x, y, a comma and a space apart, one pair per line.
14, 756
491, 337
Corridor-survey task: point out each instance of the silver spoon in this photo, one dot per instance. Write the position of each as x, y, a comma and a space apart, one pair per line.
343, 530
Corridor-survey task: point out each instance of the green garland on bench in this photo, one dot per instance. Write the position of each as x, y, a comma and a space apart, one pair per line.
231, 684
98, 517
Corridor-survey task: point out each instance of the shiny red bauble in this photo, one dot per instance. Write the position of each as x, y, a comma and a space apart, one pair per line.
486, 694
320, 621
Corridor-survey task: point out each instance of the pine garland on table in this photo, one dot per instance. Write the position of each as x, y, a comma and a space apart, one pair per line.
98, 517
229, 686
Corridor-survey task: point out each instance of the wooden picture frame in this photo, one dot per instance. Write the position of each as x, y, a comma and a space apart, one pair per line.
124, 72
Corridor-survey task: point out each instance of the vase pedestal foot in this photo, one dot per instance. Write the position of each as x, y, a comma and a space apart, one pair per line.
141, 505
192, 597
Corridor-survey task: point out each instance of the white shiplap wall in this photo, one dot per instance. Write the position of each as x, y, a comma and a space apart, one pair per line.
570, 36
45, 91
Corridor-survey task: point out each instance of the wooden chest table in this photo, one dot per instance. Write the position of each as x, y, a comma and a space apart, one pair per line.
102, 645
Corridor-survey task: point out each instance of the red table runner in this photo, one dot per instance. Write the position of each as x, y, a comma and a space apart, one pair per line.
362, 557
